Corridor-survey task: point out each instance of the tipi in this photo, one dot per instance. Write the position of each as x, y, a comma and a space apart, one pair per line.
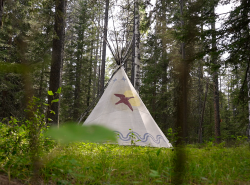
121, 109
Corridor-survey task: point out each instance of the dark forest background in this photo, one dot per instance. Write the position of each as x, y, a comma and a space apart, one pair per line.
190, 68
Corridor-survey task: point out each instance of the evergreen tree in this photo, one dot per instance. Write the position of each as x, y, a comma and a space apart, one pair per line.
236, 32
57, 61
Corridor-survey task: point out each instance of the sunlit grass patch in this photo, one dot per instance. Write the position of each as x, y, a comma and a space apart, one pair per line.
91, 163
144, 165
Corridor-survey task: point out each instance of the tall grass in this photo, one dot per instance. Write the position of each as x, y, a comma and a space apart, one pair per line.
88, 163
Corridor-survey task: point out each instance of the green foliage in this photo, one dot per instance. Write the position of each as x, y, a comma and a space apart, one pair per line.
133, 138
55, 100
50, 93
172, 136
90, 163
13, 139
25, 47
72, 132
23, 141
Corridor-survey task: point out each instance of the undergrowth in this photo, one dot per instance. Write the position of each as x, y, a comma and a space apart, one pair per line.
88, 163
99, 164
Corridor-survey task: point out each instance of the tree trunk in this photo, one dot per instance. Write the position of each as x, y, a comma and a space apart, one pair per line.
95, 81
216, 84
248, 86
181, 110
1, 12
90, 75
99, 79
165, 63
133, 55
77, 91
41, 82
95, 74
202, 115
104, 47
57, 59
78, 73
137, 47
33, 130
245, 13
200, 91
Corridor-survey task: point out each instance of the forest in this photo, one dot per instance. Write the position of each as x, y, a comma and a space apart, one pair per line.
187, 59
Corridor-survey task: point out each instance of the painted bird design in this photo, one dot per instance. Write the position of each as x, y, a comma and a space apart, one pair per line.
124, 99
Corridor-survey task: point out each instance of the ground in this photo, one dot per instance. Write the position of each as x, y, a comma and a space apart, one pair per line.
4, 180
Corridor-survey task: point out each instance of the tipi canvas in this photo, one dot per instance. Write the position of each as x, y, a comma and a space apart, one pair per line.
121, 109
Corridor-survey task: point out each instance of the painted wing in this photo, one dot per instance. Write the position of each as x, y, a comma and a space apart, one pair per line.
129, 105
120, 101
120, 95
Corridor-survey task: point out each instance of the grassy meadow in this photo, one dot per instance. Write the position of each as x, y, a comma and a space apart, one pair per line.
88, 163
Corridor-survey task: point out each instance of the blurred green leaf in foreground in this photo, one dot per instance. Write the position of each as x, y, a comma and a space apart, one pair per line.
71, 132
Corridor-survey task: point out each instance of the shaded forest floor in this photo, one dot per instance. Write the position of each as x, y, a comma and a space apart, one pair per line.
4, 180
85, 163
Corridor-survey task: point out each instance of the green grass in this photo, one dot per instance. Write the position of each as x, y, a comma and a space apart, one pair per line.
85, 163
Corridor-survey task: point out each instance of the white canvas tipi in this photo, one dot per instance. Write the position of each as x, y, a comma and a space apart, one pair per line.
122, 110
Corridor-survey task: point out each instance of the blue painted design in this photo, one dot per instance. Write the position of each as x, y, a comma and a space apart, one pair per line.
123, 79
114, 80
142, 139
